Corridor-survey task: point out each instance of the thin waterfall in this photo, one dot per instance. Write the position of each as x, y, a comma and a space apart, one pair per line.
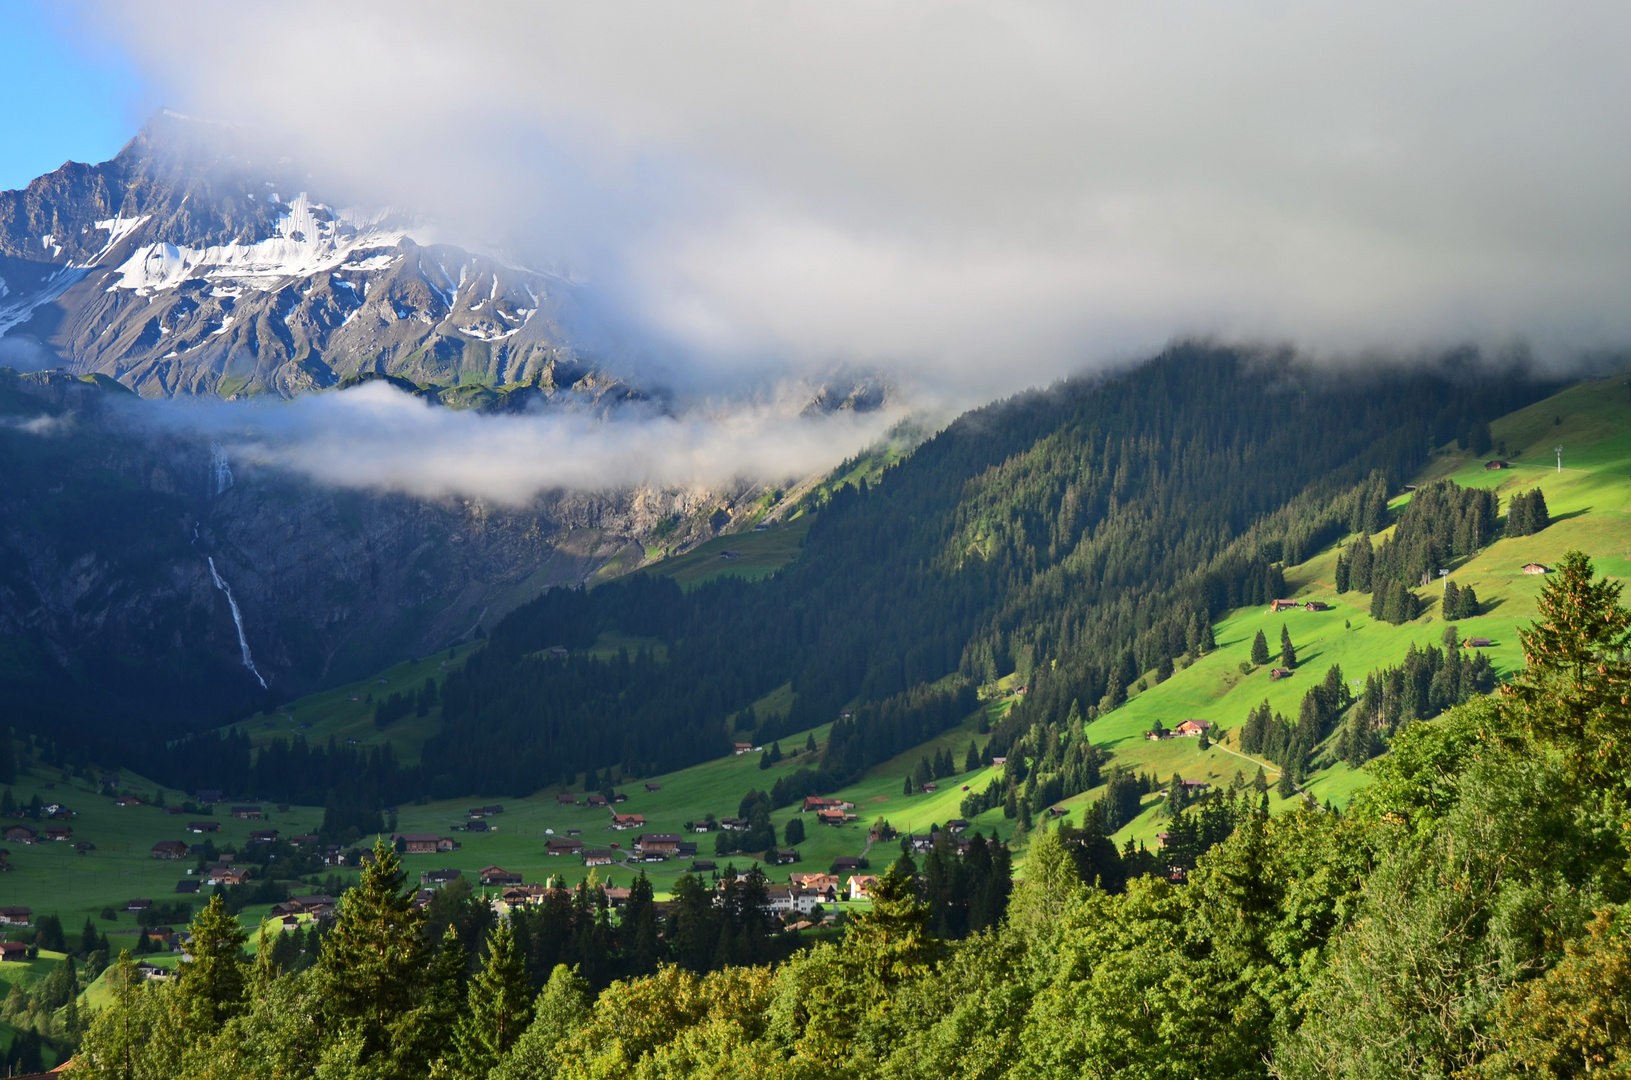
237, 619
220, 471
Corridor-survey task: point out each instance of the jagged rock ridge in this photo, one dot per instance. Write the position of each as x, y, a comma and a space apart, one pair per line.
192, 264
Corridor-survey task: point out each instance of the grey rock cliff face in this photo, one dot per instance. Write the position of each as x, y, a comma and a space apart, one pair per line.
196, 263
105, 529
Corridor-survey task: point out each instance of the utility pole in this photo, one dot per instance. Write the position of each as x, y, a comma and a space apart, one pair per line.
1559, 450
1444, 576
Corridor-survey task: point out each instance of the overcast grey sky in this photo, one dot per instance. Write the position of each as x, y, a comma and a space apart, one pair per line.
973, 196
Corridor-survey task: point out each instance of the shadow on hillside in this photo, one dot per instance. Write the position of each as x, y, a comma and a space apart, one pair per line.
1570, 514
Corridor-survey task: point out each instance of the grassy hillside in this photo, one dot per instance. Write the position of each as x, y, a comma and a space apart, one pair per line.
346, 712
748, 555
1589, 502
52, 878
1590, 505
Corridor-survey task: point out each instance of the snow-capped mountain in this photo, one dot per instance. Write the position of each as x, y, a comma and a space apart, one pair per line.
189, 265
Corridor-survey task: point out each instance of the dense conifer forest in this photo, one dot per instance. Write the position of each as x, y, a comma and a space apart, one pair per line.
1464, 917
1078, 537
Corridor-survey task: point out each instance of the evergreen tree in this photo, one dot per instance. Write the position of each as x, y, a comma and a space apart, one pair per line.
1288, 655
1466, 604
1450, 605
8, 759
1287, 787
795, 832
1342, 572
641, 946
907, 790
923, 773
1539, 516
559, 1012
421, 1039
8, 804
971, 760
373, 962
1260, 782
48, 934
499, 1007
810, 743
1359, 572
89, 939
211, 984
1260, 649
1578, 679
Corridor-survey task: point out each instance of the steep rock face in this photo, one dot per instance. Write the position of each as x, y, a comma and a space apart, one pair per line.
109, 607
196, 263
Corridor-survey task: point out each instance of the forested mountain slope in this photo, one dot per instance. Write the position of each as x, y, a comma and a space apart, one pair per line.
1075, 537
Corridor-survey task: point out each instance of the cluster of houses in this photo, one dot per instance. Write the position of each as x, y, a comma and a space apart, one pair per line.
1306, 605
27, 834
830, 811
1189, 729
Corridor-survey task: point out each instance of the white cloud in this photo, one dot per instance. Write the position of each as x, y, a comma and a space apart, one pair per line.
376, 437
975, 195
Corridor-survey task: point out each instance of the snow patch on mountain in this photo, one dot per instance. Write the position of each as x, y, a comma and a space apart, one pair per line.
310, 239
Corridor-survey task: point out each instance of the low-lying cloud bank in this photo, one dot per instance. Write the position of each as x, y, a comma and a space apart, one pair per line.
376, 437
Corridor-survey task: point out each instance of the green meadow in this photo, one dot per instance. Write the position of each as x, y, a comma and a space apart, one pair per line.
1589, 500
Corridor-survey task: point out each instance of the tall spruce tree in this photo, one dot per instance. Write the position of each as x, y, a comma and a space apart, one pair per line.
641, 947
1578, 679
498, 1007
373, 962
561, 1009
1359, 573
1260, 649
211, 984
1288, 655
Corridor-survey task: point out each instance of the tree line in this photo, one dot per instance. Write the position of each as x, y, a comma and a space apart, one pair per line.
1463, 918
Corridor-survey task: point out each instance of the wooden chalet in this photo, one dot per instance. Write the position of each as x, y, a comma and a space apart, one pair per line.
15, 916
421, 843
170, 849
247, 813
439, 877
563, 845
1193, 728
497, 875
658, 845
